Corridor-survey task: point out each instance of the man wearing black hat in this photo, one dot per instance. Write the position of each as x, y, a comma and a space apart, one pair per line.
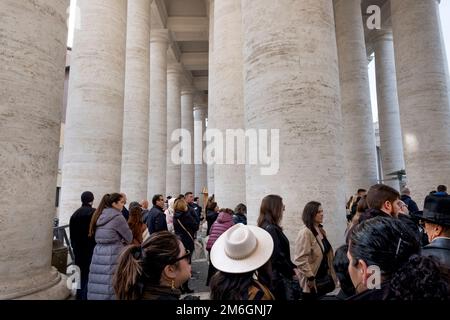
82, 244
436, 216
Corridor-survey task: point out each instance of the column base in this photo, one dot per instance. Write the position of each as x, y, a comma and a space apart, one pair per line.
48, 286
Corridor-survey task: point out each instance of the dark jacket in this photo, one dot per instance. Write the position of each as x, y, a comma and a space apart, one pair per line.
160, 293
440, 248
211, 216
188, 221
193, 212
412, 205
282, 266
374, 294
125, 213
82, 244
239, 218
156, 220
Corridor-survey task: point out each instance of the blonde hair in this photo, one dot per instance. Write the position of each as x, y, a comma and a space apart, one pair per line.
180, 205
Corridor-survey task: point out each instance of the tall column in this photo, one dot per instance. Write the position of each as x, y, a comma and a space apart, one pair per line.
211, 73
227, 87
423, 93
391, 145
200, 112
93, 131
295, 91
187, 123
32, 60
137, 99
158, 113
173, 178
360, 158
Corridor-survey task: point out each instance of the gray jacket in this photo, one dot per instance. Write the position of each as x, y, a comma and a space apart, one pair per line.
111, 235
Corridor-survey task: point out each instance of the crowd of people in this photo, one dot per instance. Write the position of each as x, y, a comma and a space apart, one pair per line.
392, 250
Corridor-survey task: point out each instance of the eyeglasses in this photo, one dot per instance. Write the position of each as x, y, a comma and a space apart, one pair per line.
187, 255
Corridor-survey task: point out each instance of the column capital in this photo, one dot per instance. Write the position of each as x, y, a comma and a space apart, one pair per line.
382, 35
160, 35
188, 90
201, 107
175, 68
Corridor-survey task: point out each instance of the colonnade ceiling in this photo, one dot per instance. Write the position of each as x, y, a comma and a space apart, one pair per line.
188, 24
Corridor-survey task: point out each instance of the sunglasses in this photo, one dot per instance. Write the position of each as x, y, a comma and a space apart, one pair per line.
187, 255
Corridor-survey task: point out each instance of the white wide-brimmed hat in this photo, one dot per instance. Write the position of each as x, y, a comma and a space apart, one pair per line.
242, 249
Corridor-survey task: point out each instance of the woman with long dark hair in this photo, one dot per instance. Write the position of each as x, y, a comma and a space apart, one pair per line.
137, 227
111, 235
385, 264
314, 254
283, 270
153, 271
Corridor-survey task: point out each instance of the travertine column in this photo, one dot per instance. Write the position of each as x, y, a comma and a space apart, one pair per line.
158, 113
295, 90
173, 177
137, 99
93, 131
227, 87
211, 73
391, 145
32, 59
359, 137
422, 81
187, 123
200, 113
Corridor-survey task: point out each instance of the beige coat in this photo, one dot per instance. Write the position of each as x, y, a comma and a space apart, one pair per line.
308, 256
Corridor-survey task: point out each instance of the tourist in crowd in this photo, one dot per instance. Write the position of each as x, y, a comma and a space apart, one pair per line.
283, 270
241, 254
169, 214
212, 212
111, 235
156, 220
385, 264
240, 214
153, 271
185, 227
314, 254
137, 227
436, 220
410, 203
82, 244
223, 223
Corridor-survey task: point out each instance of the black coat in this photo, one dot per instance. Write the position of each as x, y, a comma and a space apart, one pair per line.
211, 216
156, 220
281, 264
239, 218
412, 205
191, 226
440, 248
82, 244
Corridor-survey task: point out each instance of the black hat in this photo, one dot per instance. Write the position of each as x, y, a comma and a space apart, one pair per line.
87, 197
436, 209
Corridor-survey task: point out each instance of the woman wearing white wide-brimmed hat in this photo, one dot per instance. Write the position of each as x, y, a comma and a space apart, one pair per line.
240, 254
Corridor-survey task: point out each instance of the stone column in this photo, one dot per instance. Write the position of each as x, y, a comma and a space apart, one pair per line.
296, 91
32, 60
211, 73
359, 137
93, 131
423, 93
228, 96
173, 177
158, 113
137, 99
200, 114
187, 123
391, 145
